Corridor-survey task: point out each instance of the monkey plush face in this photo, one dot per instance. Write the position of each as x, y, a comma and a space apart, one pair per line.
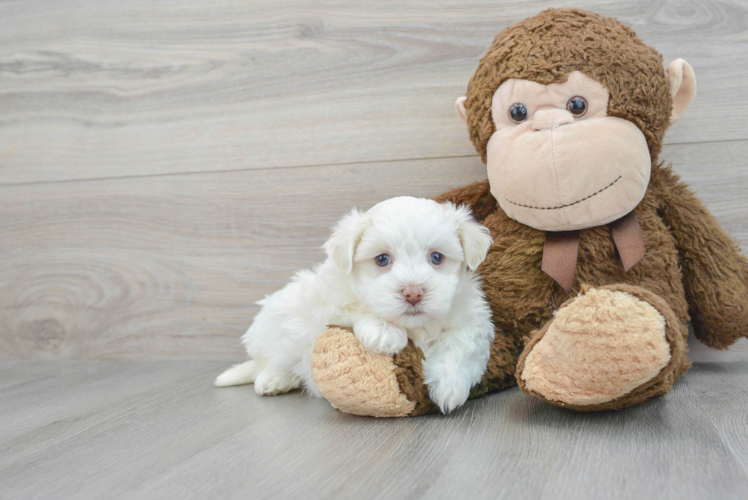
557, 161
568, 109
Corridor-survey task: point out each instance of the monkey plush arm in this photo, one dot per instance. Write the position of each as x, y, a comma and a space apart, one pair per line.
477, 196
714, 271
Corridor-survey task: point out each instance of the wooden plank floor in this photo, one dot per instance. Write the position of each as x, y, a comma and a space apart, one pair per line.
102, 89
158, 429
163, 165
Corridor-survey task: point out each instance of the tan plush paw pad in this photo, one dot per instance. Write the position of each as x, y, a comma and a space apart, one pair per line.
355, 380
600, 347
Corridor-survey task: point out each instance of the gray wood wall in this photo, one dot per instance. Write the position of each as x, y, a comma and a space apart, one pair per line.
165, 164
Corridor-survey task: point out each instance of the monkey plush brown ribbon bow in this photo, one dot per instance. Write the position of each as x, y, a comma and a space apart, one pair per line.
561, 249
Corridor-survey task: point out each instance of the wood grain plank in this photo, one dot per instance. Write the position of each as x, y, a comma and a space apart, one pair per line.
97, 89
146, 268
139, 420
170, 266
665, 448
45, 404
720, 382
160, 430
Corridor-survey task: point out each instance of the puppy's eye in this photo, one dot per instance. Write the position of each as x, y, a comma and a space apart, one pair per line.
437, 258
518, 112
382, 260
577, 106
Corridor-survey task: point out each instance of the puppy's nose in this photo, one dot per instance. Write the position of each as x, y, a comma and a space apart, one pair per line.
413, 294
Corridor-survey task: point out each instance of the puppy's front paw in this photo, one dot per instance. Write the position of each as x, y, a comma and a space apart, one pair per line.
377, 335
270, 382
449, 393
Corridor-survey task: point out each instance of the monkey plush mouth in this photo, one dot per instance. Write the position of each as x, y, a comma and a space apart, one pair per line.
568, 204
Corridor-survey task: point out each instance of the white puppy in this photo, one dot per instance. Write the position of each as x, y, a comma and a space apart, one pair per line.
404, 269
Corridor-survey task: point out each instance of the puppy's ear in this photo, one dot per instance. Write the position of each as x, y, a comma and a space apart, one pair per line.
476, 239
342, 244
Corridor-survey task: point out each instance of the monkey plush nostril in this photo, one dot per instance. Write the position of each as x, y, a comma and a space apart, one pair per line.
413, 294
545, 119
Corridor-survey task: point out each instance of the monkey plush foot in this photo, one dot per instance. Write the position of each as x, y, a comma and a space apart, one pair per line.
355, 380
608, 348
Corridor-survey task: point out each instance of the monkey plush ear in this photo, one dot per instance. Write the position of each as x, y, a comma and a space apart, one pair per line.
341, 246
460, 107
682, 83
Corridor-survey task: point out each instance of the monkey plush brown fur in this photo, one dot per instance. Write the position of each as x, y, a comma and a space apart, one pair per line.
617, 337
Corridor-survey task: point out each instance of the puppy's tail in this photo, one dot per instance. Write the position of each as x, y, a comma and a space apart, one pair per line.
237, 375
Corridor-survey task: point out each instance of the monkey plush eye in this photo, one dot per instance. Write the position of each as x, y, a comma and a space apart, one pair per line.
518, 112
382, 260
577, 106
437, 258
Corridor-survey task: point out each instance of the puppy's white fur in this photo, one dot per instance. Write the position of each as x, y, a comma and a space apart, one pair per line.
451, 325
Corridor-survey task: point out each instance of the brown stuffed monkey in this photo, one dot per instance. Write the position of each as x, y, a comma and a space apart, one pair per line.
600, 256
